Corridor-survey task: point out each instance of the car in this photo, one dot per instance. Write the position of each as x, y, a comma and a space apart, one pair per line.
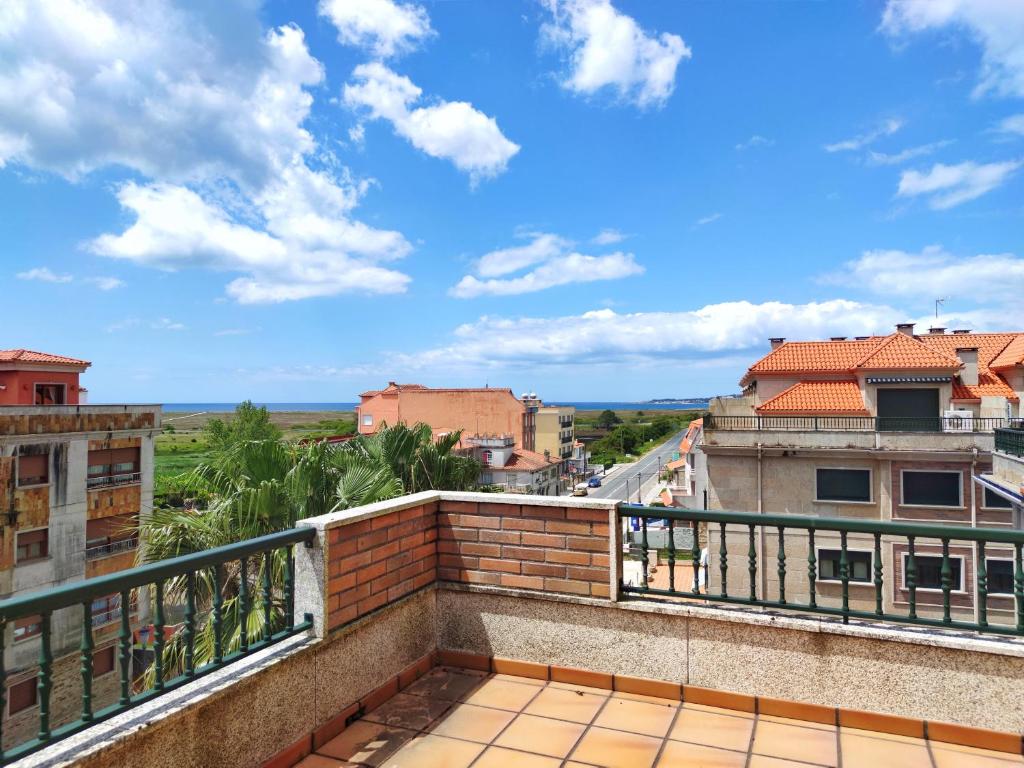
580, 489
594, 482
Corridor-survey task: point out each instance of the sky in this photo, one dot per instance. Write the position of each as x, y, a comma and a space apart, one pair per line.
591, 199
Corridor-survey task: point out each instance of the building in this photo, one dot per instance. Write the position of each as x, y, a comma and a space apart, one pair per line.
556, 429
515, 469
889, 428
74, 479
687, 474
475, 411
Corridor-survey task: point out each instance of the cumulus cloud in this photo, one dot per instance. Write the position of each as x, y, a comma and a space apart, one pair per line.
606, 49
542, 247
1014, 124
608, 237
887, 128
209, 109
995, 25
44, 275
383, 27
754, 141
449, 130
947, 186
898, 158
106, 283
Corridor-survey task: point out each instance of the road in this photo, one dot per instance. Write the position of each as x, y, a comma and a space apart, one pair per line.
623, 481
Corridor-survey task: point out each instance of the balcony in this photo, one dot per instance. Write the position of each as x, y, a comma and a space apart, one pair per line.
1010, 441
448, 628
112, 548
112, 481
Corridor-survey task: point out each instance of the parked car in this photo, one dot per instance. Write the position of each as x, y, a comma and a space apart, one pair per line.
594, 482
580, 489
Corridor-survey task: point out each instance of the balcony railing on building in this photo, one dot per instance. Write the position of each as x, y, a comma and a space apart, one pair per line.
967, 423
112, 548
107, 481
1011, 440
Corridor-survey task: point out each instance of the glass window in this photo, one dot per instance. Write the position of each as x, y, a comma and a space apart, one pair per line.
22, 695
1000, 577
859, 564
30, 626
368, 420
844, 484
106, 610
49, 394
32, 545
932, 489
995, 501
929, 572
34, 469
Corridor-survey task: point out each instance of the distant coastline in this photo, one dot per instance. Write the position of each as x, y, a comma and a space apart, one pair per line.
650, 405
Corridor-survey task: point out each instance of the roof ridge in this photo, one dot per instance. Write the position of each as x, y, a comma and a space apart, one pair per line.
904, 338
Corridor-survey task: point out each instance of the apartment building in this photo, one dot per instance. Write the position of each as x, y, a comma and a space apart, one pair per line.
895, 428
556, 428
687, 474
74, 479
515, 469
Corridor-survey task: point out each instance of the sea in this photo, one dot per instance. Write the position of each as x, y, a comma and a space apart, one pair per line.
581, 406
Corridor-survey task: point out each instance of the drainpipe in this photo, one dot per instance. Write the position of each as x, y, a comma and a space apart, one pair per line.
762, 544
974, 524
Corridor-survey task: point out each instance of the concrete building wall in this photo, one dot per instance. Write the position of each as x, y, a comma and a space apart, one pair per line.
551, 435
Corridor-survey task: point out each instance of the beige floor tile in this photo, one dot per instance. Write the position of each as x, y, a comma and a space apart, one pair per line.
583, 688
566, 704
798, 723
648, 699
498, 757
641, 717
719, 710
445, 683
884, 736
523, 680
712, 728
365, 742
679, 755
434, 752
319, 761
541, 735
404, 711
871, 751
795, 742
763, 761
957, 756
466, 721
616, 749
502, 694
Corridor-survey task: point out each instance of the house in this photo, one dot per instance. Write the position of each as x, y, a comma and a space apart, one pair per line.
515, 469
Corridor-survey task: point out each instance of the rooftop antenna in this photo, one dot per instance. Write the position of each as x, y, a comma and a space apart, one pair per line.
939, 303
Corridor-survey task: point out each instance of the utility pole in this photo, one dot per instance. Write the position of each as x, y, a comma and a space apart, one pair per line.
639, 487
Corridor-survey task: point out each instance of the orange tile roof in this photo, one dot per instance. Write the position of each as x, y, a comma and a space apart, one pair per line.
900, 351
39, 358
666, 497
813, 357
1011, 355
527, 460
823, 397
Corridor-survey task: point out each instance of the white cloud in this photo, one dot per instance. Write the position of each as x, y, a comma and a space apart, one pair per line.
996, 25
1014, 124
897, 158
209, 109
44, 275
947, 186
608, 49
106, 283
887, 128
450, 130
235, 331
608, 237
754, 141
383, 27
166, 324
560, 270
707, 219
507, 260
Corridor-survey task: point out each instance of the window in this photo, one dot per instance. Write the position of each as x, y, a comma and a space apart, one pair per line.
30, 626
368, 420
932, 489
32, 545
21, 696
49, 394
993, 500
110, 535
929, 572
34, 469
909, 410
106, 610
103, 661
859, 564
1000, 576
843, 484
113, 466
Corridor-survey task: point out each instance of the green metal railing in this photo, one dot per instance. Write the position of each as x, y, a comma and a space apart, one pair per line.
156, 577
967, 423
746, 532
1010, 441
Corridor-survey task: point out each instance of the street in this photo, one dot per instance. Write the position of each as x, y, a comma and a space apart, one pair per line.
622, 483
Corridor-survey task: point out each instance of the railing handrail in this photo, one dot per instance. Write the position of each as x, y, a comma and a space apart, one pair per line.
65, 595
113, 547
1010, 440
113, 479
918, 530
841, 423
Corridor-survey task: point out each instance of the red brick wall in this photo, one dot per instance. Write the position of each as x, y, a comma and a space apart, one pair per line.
377, 561
551, 549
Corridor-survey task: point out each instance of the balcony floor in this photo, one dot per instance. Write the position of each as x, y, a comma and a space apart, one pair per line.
453, 718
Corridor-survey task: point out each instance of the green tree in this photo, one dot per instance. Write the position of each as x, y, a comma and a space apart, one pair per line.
608, 419
249, 423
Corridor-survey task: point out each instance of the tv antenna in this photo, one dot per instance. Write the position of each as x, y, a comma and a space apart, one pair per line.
939, 303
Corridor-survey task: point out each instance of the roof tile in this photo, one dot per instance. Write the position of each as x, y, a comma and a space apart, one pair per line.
817, 397
39, 358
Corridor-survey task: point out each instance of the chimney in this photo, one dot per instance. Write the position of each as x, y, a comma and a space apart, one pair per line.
776, 341
838, 338
906, 328
961, 331
936, 331
862, 338
969, 357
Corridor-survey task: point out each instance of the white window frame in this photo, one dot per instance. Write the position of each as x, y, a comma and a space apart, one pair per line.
984, 490
1008, 559
960, 487
963, 573
871, 567
871, 486
367, 419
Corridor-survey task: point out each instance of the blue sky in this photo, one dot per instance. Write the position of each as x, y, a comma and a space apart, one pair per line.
296, 201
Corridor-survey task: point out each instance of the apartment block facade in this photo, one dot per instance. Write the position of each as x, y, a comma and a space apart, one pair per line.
893, 428
74, 480
556, 430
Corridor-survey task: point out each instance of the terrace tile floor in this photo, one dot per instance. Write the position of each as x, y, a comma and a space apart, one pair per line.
454, 718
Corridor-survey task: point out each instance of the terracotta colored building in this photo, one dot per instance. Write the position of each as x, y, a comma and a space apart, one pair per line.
74, 480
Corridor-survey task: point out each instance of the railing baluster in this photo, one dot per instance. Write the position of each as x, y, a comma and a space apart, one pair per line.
3, 683
911, 579
45, 682
781, 564
289, 589
947, 580
267, 594
643, 552
812, 568
126, 649
878, 574
86, 648
723, 559
982, 587
671, 555
158, 638
1018, 589
752, 563
244, 607
190, 624
218, 615
695, 557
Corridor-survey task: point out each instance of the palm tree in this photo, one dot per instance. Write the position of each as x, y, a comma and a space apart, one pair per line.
262, 486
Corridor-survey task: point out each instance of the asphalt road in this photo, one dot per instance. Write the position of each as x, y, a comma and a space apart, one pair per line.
623, 481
